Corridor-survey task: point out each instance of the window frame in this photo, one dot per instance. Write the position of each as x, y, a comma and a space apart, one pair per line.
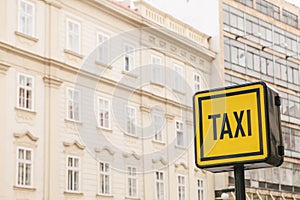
197, 83
178, 76
31, 162
161, 133
73, 169
68, 45
200, 189
182, 132
130, 118
102, 45
160, 186
32, 28
105, 110
72, 100
156, 68
129, 57
26, 76
108, 173
181, 187
134, 177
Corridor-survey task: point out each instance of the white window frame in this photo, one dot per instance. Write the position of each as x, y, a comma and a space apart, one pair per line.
156, 69
104, 110
26, 89
181, 187
102, 46
158, 128
178, 77
128, 58
104, 175
73, 169
28, 16
24, 162
159, 185
179, 130
133, 178
200, 189
131, 117
197, 82
73, 103
77, 46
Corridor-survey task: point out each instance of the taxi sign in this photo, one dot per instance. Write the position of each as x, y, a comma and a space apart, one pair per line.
237, 125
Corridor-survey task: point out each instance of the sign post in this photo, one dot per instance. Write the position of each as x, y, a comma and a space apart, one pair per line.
238, 128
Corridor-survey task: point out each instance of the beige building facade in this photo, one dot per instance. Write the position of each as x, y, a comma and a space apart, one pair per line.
260, 41
97, 102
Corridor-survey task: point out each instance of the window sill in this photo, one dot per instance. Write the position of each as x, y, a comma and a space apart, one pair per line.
24, 188
98, 62
28, 37
73, 121
159, 142
73, 53
129, 74
131, 135
157, 84
73, 193
108, 130
134, 198
18, 109
104, 195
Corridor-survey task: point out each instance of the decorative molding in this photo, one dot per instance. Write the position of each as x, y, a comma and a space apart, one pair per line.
144, 108
133, 154
25, 116
177, 165
189, 122
105, 148
173, 48
160, 159
199, 170
27, 134
53, 3
4, 67
169, 116
73, 193
75, 143
52, 81
162, 43
152, 39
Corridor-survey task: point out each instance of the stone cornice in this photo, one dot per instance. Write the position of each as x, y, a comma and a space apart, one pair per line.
26, 134
4, 67
52, 81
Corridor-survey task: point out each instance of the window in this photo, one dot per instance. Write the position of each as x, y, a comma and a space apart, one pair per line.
104, 178
24, 167
267, 8
290, 18
156, 62
181, 187
178, 77
128, 58
157, 127
73, 36
73, 102
159, 186
73, 176
179, 133
132, 182
103, 48
26, 17
103, 113
246, 2
25, 92
130, 120
197, 82
200, 189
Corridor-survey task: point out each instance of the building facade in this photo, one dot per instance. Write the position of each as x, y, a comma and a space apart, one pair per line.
260, 40
97, 102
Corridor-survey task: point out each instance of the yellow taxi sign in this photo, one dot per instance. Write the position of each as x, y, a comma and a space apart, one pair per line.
232, 126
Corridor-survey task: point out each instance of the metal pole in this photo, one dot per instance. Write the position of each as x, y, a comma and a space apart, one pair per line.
239, 177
